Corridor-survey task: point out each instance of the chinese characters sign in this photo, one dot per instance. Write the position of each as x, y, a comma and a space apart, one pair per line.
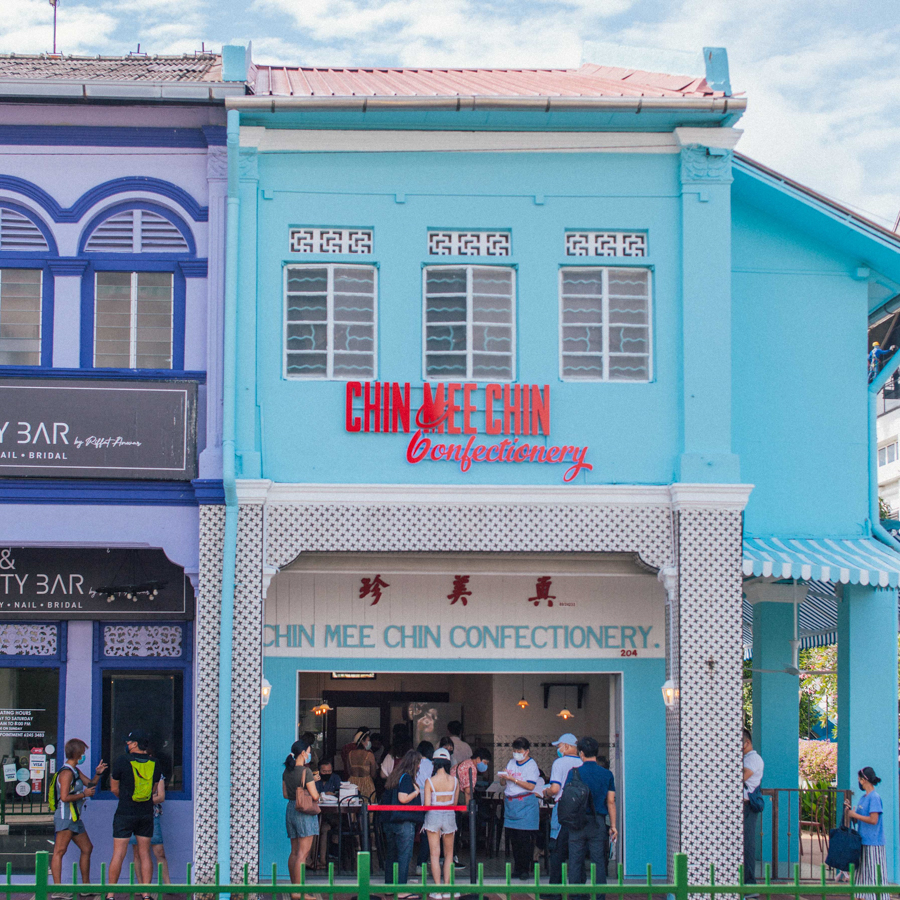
462, 613
445, 425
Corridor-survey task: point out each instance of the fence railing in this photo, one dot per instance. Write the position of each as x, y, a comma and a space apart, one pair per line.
32, 804
363, 887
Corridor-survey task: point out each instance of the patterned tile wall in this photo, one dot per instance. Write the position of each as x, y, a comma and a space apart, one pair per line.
209, 605
246, 679
707, 744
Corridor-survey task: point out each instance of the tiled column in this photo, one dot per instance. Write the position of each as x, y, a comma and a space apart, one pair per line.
206, 753
703, 739
246, 681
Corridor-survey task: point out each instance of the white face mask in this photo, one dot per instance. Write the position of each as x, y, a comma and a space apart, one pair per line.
518, 756
368, 745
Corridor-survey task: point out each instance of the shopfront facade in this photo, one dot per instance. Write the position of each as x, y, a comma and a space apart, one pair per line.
111, 272
489, 350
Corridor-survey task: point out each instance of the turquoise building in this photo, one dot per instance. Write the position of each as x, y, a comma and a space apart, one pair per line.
520, 373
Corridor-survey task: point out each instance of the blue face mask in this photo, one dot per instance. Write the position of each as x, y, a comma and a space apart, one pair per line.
482, 766
559, 752
80, 761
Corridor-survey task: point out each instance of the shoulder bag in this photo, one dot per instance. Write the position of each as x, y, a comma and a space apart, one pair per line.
304, 801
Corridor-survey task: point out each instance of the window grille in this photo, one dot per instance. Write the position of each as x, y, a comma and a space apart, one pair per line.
136, 231
604, 328
606, 243
468, 243
470, 327
331, 240
133, 315
330, 322
18, 233
20, 317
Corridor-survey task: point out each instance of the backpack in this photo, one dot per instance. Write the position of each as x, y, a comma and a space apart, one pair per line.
575, 803
53, 792
756, 800
143, 779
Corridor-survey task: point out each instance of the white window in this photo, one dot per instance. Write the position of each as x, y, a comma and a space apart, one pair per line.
20, 317
888, 454
604, 324
133, 320
330, 327
470, 323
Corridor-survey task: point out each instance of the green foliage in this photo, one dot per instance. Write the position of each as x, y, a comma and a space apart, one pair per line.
747, 694
818, 693
884, 511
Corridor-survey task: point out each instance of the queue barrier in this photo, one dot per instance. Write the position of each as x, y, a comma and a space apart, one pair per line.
363, 888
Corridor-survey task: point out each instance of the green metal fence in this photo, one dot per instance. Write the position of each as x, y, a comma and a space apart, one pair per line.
363, 887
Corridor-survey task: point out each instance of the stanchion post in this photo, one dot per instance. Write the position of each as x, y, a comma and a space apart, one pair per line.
473, 839
364, 825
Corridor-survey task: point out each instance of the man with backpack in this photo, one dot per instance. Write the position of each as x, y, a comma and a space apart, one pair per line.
567, 759
589, 795
136, 779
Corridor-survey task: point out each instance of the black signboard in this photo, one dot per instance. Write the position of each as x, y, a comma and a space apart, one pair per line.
69, 583
98, 429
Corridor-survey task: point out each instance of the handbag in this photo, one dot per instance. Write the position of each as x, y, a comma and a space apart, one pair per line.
304, 801
756, 800
844, 848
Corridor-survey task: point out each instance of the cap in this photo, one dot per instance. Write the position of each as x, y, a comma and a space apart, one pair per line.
441, 753
567, 738
138, 735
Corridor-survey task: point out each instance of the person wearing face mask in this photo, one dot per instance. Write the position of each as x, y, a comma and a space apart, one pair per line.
868, 814
68, 791
363, 767
468, 771
567, 758
301, 827
521, 809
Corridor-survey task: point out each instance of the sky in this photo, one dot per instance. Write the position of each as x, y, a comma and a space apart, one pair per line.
821, 76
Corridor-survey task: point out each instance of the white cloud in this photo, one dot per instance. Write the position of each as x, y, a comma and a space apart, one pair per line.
27, 27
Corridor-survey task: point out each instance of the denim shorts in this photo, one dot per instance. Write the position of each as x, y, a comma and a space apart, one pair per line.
300, 825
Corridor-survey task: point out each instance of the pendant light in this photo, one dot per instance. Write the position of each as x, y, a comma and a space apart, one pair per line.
565, 714
523, 703
322, 708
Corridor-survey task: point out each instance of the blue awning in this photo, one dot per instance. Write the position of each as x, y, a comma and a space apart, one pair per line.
857, 561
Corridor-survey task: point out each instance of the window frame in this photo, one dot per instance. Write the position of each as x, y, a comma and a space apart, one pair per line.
158, 665
605, 324
36, 259
330, 266
514, 323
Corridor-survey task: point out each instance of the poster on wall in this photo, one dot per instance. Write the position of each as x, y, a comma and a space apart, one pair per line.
98, 429
68, 583
463, 613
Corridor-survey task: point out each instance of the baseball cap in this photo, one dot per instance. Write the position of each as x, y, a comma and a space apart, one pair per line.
138, 735
567, 738
441, 753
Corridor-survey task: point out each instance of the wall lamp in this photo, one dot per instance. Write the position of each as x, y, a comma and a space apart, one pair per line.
670, 692
266, 692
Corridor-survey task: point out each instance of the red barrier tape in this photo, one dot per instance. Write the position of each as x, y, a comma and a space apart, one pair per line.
409, 807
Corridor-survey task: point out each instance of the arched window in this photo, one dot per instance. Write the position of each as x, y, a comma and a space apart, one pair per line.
133, 293
26, 287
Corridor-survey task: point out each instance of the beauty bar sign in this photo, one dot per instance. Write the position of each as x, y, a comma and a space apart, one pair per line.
446, 423
94, 429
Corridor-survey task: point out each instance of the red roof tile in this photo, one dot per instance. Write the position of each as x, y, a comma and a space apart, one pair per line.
587, 81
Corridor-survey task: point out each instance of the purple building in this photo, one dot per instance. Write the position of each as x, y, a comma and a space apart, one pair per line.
112, 203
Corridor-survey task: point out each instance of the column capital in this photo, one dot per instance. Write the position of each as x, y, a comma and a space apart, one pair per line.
768, 592
706, 165
248, 164
686, 496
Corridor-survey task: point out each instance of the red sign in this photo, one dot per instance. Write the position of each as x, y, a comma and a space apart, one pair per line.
517, 410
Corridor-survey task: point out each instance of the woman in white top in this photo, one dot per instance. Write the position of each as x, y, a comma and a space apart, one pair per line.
521, 809
441, 789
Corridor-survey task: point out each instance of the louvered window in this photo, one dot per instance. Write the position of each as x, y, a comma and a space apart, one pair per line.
136, 231
330, 322
604, 328
133, 320
20, 317
18, 233
470, 330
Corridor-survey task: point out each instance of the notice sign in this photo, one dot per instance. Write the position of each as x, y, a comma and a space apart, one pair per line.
64, 583
445, 422
19, 723
98, 429
463, 614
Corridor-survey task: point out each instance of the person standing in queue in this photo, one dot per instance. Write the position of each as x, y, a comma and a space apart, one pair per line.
425, 771
136, 779
461, 750
753, 775
301, 827
869, 815
593, 839
441, 789
521, 809
68, 791
399, 828
567, 758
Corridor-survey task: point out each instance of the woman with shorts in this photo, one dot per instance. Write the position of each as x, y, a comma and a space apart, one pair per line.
301, 827
441, 789
72, 789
